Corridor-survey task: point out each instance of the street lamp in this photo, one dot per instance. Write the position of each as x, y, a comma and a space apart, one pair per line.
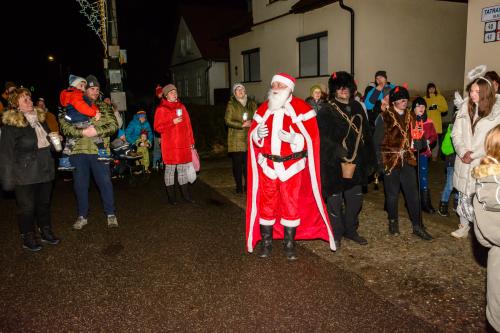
51, 58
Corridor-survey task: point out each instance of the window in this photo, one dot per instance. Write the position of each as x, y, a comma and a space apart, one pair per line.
313, 54
198, 85
251, 65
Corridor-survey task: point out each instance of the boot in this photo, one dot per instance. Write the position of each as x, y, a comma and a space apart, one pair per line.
394, 227
48, 237
425, 198
289, 243
266, 244
420, 231
443, 208
29, 242
171, 195
185, 193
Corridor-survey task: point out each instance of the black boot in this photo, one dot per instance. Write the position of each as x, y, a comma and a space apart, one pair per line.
443, 208
48, 237
425, 198
289, 243
420, 231
29, 242
171, 195
185, 193
394, 227
266, 244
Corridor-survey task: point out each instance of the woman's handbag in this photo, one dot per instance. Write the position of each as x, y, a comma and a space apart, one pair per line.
196, 159
348, 167
447, 145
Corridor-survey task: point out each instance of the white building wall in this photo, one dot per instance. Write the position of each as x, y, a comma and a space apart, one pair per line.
409, 39
218, 78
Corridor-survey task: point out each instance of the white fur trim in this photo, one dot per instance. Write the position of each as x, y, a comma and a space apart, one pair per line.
279, 115
290, 223
255, 137
305, 116
285, 174
278, 78
270, 173
258, 118
266, 222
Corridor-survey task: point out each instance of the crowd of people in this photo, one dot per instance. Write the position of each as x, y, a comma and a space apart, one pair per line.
304, 164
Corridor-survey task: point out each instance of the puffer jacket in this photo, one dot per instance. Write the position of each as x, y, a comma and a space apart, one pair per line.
236, 134
105, 127
487, 229
134, 128
22, 162
464, 141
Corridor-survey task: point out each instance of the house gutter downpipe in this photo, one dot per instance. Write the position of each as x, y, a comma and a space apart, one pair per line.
350, 10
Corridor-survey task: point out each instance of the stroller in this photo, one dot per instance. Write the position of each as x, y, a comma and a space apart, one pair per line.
124, 164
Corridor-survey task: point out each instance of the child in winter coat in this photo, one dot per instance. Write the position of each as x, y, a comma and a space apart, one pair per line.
423, 123
143, 145
78, 111
449, 152
487, 225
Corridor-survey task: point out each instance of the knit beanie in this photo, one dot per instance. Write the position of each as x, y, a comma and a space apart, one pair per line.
74, 80
314, 87
236, 86
92, 82
168, 88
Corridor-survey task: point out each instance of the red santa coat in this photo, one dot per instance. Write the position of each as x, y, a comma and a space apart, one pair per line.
301, 119
176, 139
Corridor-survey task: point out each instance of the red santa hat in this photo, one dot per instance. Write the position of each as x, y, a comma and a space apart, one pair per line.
284, 78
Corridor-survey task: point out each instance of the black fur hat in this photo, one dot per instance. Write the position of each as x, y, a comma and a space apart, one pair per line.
397, 93
341, 80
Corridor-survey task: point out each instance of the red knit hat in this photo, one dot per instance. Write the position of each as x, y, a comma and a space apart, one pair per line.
284, 78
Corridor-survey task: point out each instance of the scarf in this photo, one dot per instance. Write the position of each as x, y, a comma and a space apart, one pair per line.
243, 101
41, 134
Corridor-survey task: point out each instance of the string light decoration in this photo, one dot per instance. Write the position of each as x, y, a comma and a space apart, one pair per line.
96, 14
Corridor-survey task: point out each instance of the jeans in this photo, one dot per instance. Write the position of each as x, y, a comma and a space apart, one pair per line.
423, 164
406, 179
34, 206
239, 160
347, 223
85, 164
448, 186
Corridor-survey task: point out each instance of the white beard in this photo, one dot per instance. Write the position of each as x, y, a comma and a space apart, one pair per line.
243, 101
278, 98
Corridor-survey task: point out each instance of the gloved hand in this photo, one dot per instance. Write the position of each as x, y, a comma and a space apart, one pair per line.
420, 144
286, 136
262, 131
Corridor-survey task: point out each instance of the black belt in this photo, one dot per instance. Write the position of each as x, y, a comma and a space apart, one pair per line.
294, 156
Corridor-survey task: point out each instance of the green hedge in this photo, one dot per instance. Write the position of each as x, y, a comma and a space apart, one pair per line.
209, 128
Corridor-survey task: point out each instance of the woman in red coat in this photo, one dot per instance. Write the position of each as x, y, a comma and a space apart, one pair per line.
173, 123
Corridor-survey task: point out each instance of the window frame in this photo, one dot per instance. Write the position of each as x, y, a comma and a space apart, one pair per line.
248, 53
317, 37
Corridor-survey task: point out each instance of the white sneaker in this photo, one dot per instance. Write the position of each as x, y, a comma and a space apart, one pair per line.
461, 232
80, 223
112, 221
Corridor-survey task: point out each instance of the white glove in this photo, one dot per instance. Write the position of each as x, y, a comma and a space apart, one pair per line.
458, 101
262, 131
286, 136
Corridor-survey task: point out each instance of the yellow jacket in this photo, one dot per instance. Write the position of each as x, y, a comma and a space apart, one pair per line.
435, 115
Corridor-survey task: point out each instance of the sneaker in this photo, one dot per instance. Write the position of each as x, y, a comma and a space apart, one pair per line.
65, 164
80, 223
29, 242
48, 236
112, 221
461, 232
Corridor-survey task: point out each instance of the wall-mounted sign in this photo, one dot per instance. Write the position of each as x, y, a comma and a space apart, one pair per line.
492, 31
490, 13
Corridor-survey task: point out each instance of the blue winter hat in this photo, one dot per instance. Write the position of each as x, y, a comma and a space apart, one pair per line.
76, 80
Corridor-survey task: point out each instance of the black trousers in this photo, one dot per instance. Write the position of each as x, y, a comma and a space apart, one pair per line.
345, 224
406, 179
239, 160
33, 202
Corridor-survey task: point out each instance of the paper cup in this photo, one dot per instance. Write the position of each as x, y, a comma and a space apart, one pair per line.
56, 141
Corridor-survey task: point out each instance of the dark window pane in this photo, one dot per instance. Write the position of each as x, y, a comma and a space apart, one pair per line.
308, 58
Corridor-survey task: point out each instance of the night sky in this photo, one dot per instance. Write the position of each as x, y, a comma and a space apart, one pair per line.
33, 30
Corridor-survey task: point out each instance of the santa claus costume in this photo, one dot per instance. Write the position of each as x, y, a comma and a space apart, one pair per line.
283, 174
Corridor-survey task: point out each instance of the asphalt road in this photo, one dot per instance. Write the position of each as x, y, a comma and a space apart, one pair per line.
180, 268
